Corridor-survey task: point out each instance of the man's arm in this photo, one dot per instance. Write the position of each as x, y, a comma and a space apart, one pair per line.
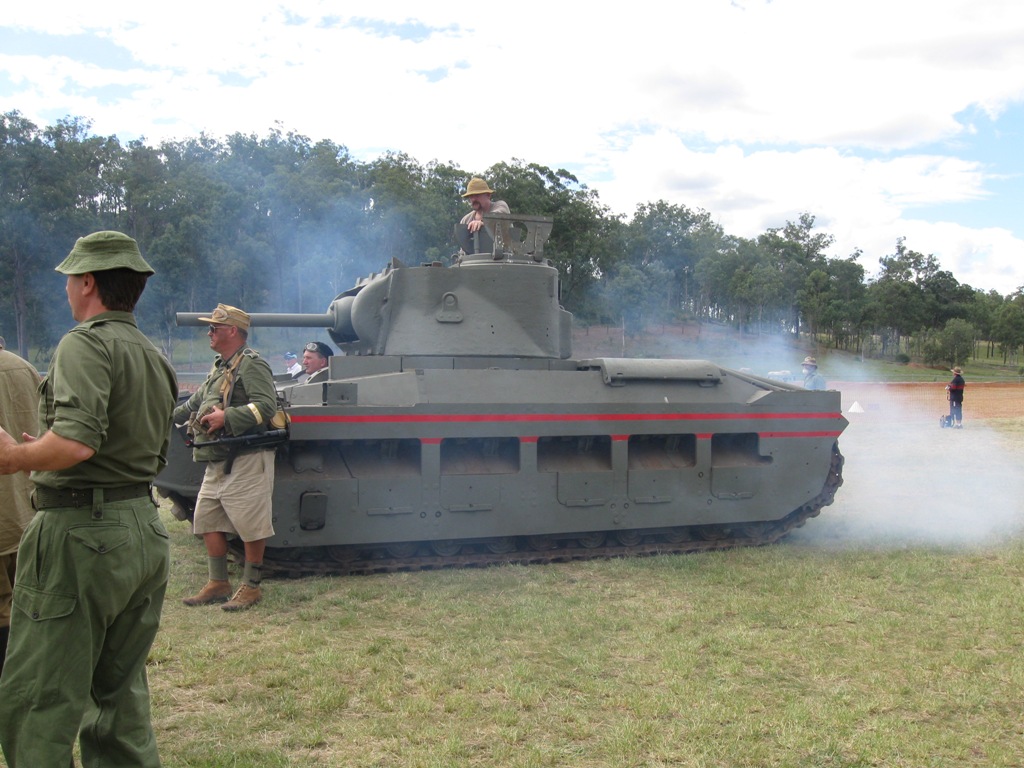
49, 452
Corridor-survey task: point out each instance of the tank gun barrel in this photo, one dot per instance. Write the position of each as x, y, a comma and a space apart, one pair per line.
268, 319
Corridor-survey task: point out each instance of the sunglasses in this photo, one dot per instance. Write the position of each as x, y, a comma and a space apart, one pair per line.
215, 328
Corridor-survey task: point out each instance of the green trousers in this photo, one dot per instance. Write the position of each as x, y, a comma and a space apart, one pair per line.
88, 592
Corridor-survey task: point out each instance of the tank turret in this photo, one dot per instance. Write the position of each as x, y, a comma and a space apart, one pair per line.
502, 303
457, 428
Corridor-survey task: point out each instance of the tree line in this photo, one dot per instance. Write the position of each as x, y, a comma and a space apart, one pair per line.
282, 223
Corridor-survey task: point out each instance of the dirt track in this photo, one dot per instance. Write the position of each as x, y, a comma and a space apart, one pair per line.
907, 482
910, 401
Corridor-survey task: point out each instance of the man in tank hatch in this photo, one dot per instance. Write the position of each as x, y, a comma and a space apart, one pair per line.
316, 356
471, 233
478, 195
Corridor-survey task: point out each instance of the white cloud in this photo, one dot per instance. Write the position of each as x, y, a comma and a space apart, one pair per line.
755, 111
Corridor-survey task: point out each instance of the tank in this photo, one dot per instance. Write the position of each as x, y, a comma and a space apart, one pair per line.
456, 428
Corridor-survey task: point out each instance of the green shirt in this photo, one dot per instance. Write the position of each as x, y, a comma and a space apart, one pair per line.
252, 406
109, 388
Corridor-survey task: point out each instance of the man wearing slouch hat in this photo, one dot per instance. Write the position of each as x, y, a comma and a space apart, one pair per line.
238, 398
93, 562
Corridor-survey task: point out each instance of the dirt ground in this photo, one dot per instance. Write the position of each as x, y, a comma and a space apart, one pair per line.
981, 401
908, 482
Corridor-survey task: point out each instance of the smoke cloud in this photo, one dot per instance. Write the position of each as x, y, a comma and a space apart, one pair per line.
908, 482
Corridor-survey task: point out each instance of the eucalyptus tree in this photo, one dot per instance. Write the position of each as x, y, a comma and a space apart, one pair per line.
1008, 329
50, 194
896, 306
677, 238
21, 152
832, 300
981, 313
725, 282
412, 208
794, 251
627, 293
953, 344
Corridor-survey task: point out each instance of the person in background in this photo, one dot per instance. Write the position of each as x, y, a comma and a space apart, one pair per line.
19, 403
94, 560
955, 392
238, 398
316, 356
292, 366
812, 379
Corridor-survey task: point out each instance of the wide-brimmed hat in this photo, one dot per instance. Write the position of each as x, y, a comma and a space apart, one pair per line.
957, 370
810, 361
477, 186
225, 314
104, 250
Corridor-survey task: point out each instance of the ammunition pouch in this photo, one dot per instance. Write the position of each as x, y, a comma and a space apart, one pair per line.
195, 425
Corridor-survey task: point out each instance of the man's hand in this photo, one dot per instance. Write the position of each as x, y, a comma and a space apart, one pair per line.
49, 452
474, 225
214, 420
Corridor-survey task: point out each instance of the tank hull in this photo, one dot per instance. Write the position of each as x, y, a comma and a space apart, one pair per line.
465, 452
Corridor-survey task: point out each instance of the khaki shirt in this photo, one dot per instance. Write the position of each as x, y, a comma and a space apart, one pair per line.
109, 388
497, 206
253, 402
19, 402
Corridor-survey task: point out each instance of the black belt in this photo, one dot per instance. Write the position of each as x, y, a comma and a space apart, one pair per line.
48, 498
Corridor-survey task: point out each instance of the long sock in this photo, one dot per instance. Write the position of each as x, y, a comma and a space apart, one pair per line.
253, 574
218, 568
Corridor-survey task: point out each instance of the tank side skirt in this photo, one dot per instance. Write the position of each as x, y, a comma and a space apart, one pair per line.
535, 550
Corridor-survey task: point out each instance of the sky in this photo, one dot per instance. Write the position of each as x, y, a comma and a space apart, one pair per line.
883, 119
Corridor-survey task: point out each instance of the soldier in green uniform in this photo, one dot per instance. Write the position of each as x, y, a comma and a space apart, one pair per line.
238, 398
93, 563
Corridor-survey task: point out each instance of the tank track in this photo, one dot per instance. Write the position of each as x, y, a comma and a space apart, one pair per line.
529, 550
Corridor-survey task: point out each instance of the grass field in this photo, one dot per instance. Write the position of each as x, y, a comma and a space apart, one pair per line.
785, 656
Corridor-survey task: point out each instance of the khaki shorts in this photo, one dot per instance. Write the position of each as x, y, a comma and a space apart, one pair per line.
7, 565
238, 503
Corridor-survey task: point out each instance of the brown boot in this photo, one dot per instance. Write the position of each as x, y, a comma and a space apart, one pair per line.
245, 597
215, 591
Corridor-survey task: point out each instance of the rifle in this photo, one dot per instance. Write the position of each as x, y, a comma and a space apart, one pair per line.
272, 437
